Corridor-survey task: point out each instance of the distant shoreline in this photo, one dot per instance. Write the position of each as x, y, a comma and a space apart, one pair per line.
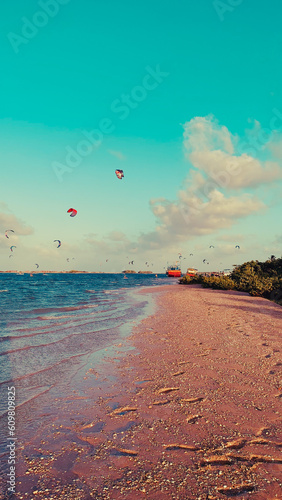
77, 272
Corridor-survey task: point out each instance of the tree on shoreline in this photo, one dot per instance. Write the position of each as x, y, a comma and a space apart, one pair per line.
259, 279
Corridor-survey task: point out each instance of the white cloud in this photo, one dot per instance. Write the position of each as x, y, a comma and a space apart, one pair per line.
117, 236
210, 149
180, 221
275, 145
205, 134
231, 237
117, 154
235, 172
207, 202
10, 221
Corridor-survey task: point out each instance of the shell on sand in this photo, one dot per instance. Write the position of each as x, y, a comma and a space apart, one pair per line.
192, 419
236, 444
167, 389
216, 460
180, 446
192, 400
235, 490
265, 459
126, 451
117, 411
161, 402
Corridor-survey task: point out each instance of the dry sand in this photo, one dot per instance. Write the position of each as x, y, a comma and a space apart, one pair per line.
192, 412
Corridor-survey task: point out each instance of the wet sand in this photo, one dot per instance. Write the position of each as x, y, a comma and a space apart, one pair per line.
192, 411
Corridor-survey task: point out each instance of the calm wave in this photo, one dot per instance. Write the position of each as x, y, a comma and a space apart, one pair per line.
51, 324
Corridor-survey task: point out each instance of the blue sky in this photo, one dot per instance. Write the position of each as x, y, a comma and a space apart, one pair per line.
174, 93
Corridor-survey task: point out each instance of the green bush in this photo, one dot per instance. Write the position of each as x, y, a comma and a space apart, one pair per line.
259, 279
218, 282
191, 280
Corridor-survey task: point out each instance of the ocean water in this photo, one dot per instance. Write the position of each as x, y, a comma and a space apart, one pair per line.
53, 324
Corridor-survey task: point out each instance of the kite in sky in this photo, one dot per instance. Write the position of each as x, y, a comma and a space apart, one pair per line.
59, 243
11, 248
72, 212
237, 246
119, 174
8, 230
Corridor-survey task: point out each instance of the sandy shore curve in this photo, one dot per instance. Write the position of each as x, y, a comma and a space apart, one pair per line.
192, 411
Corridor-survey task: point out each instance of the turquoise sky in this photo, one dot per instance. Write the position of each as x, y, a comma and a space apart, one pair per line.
173, 93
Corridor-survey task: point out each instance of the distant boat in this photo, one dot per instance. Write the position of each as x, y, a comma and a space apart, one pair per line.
174, 270
191, 272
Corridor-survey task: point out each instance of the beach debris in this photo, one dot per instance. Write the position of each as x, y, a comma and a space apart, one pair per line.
263, 431
237, 489
125, 409
193, 418
125, 451
8, 231
88, 426
167, 389
59, 243
236, 444
259, 441
177, 373
180, 447
72, 212
239, 458
163, 402
265, 459
119, 173
193, 400
217, 460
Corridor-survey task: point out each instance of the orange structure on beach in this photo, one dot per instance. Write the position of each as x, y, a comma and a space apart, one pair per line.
174, 270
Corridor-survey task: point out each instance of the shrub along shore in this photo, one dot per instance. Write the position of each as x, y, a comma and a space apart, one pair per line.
260, 279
